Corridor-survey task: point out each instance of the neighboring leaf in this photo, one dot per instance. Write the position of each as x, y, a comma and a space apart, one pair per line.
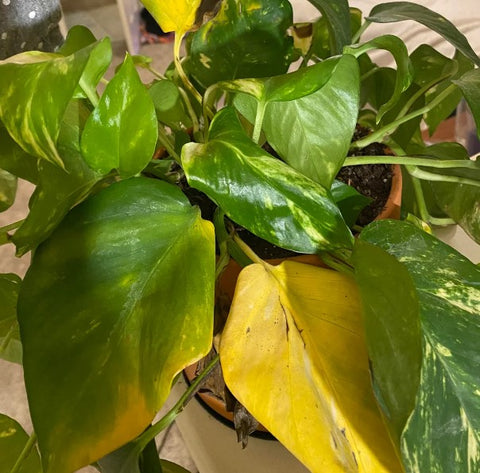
443, 433
169, 467
168, 103
293, 352
8, 189
469, 83
78, 37
36, 90
393, 332
106, 322
313, 133
173, 15
10, 345
404, 73
337, 16
247, 38
121, 133
262, 193
57, 190
399, 11
349, 201
12, 442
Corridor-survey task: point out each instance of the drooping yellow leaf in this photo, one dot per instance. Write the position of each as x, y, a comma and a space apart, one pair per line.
173, 15
293, 352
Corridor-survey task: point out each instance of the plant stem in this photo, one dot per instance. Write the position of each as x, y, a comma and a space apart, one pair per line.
420, 198
190, 110
11, 226
360, 31
391, 127
8, 337
25, 452
430, 176
248, 251
337, 262
261, 107
165, 141
171, 415
179, 67
413, 161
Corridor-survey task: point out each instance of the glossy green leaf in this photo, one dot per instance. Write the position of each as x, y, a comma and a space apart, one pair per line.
293, 352
262, 193
36, 90
8, 189
173, 15
247, 38
400, 11
78, 37
111, 281
349, 201
469, 83
12, 442
121, 133
313, 133
443, 433
168, 104
393, 332
10, 346
337, 15
404, 74
57, 190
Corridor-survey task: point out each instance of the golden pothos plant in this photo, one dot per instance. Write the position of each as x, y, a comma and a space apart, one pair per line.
369, 364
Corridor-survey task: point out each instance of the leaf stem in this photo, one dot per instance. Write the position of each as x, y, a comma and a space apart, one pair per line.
430, 176
379, 134
8, 337
261, 107
179, 67
171, 415
165, 141
11, 226
248, 251
360, 31
24, 453
413, 161
190, 110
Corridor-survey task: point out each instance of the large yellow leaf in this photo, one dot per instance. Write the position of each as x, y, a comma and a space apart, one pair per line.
173, 15
293, 352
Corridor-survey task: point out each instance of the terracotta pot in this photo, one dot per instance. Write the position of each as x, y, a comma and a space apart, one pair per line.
393, 204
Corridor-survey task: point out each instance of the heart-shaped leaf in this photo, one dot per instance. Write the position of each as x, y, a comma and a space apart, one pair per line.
106, 322
247, 38
168, 104
293, 352
173, 15
262, 193
313, 132
121, 133
36, 89
446, 418
399, 11
10, 346
13, 440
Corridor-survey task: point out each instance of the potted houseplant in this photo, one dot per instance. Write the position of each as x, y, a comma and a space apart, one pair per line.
369, 365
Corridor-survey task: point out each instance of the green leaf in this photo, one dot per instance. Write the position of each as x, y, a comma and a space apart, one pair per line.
168, 104
262, 193
13, 439
106, 322
443, 433
400, 11
313, 133
393, 332
247, 38
404, 73
36, 90
121, 132
78, 37
57, 190
469, 83
10, 345
173, 15
337, 15
169, 467
349, 201
8, 189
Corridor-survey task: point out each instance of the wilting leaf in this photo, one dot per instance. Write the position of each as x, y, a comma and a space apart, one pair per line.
400, 11
173, 15
293, 352
247, 38
443, 433
10, 346
106, 322
121, 132
262, 193
12, 442
8, 189
392, 325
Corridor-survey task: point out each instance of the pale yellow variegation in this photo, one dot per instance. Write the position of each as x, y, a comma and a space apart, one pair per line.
293, 352
173, 15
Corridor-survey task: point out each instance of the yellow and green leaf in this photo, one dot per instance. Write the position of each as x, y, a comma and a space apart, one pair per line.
173, 15
294, 353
